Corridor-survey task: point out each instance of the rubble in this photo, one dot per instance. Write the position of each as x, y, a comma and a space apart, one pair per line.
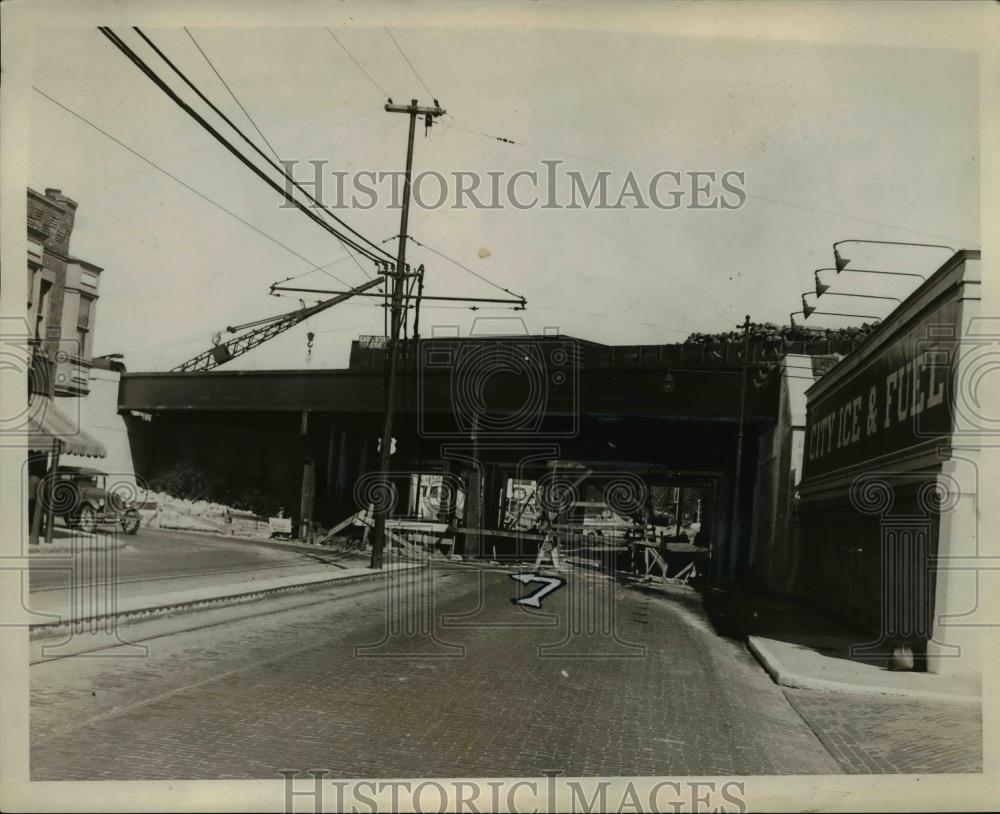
161, 510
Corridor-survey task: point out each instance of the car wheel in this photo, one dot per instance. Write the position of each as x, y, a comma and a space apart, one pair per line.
130, 521
86, 520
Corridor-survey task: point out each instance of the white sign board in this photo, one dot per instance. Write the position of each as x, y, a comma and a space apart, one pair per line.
279, 525
428, 496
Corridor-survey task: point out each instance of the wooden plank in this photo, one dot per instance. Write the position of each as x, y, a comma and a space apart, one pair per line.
343, 524
369, 523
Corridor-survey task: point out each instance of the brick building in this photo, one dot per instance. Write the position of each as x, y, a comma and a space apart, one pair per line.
62, 297
61, 313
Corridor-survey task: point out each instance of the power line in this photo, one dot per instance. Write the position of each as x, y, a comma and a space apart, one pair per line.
540, 148
681, 284
472, 307
336, 330
691, 291
632, 250
398, 48
688, 289
246, 113
504, 140
463, 267
360, 66
617, 319
325, 266
846, 217
226, 85
166, 89
442, 297
257, 149
190, 188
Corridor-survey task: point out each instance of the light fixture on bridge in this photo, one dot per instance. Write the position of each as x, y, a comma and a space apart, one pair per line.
821, 287
841, 262
668, 383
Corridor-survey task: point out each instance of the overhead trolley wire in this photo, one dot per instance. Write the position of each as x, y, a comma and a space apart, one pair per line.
753, 195
153, 77
249, 141
538, 147
619, 319
324, 267
405, 57
231, 93
464, 267
684, 287
724, 311
360, 66
249, 118
687, 289
190, 188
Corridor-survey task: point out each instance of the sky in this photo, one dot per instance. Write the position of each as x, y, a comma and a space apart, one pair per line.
836, 142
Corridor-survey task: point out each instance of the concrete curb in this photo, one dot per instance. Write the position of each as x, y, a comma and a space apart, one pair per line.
62, 626
788, 678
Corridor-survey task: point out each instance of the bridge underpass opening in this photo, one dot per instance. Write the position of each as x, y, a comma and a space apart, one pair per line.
621, 417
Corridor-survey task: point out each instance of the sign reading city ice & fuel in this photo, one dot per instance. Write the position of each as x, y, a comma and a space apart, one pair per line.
895, 401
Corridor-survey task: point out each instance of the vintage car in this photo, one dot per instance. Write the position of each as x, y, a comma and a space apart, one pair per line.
86, 503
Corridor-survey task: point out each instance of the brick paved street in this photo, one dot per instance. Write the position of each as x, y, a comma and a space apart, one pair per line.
246, 698
873, 734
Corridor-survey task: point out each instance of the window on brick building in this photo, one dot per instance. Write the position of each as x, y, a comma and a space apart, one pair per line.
83, 323
42, 311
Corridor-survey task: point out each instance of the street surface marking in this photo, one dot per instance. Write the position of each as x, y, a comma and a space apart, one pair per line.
534, 600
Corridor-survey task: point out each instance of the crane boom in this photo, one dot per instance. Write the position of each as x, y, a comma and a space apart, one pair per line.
223, 352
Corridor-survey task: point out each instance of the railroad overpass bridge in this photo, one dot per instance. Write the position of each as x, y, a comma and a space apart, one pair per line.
486, 412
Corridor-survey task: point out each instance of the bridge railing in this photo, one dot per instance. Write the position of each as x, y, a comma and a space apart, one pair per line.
720, 355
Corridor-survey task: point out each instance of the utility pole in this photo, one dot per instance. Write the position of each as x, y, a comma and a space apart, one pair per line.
731, 564
398, 275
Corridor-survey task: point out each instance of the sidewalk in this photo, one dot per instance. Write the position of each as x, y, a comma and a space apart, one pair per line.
871, 720
824, 663
805, 649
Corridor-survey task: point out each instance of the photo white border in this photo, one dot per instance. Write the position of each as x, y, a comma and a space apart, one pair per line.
973, 26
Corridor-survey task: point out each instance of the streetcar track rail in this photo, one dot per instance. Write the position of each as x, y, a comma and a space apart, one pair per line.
190, 575
232, 620
51, 629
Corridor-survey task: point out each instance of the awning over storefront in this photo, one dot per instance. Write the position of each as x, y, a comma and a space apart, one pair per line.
47, 423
